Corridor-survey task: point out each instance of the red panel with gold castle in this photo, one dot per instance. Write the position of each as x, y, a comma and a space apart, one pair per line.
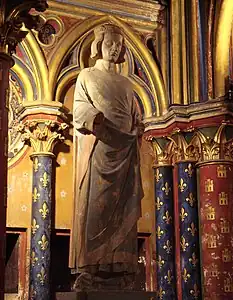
216, 189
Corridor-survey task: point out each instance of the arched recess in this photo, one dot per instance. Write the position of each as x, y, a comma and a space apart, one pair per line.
25, 79
39, 68
78, 32
222, 46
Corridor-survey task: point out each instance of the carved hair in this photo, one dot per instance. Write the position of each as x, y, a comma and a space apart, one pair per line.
99, 37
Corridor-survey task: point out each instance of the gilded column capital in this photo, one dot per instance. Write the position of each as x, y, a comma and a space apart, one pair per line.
42, 135
171, 149
12, 18
203, 145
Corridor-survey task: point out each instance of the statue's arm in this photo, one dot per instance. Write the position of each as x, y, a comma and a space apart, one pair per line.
85, 116
137, 117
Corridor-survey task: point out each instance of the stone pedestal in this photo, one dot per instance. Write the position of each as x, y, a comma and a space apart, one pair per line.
107, 295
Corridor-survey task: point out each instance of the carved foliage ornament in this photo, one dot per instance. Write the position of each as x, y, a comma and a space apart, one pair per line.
201, 147
42, 135
12, 18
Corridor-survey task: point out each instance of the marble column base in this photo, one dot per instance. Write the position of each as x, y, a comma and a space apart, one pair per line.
107, 295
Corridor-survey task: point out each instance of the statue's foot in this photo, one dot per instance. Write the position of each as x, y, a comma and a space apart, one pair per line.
88, 282
84, 282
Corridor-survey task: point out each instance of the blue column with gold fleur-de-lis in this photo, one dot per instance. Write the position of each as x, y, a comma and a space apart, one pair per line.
165, 233
41, 227
189, 238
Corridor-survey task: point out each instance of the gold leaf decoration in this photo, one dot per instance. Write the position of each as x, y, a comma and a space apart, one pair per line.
193, 260
195, 292
186, 275
182, 185
36, 164
35, 195
158, 175
34, 259
167, 247
159, 232
43, 242
192, 229
44, 210
166, 188
35, 226
42, 276
190, 199
159, 203
167, 218
160, 262
183, 244
169, 277
189, 170
183, 214
161, 293
44, 180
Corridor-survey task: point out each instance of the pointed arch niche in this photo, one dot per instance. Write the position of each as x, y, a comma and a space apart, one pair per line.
72, 54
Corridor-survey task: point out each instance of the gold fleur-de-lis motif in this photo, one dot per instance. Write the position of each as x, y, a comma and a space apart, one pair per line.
160, 262
43, 242
183, 214
189, 170
192, 229
42, 276
44, 180
35, 195
159, 232
36, 164
167, 247
159, 203
34, 259
190, 199
35, 226
158, 175
193, 260
185, 275
44, 210
169, 277
166, 188
182, 185
195, 292
167, 218
161, 293
183, 243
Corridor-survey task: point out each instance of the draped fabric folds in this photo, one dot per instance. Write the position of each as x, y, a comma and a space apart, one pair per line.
108, 187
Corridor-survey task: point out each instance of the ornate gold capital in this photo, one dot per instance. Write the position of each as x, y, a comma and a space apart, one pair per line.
203, 145
169, 150
12, 18
42, 135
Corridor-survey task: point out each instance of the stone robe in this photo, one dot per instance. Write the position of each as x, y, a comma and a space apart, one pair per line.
108, 189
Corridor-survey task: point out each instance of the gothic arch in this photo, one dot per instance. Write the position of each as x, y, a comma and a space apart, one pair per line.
76, 33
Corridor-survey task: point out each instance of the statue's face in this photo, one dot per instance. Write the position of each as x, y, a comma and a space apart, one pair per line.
111, 46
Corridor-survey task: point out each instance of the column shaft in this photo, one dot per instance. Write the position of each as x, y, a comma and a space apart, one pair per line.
216, 189
165, 233
5, 64
189, 241
41, 227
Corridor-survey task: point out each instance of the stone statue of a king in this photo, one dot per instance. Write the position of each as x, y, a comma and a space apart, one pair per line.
108, 188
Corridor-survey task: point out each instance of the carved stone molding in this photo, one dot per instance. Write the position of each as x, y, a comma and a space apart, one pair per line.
13, 14
207, 144
42, 135
144, 15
